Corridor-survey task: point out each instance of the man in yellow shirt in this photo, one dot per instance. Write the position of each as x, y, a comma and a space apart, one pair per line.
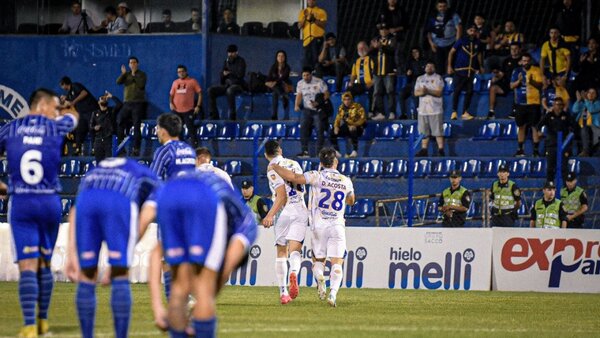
559, 56
312, 21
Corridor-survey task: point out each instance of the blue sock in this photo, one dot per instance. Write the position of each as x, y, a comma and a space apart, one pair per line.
205, 328
177, 334
167, 279
28, 295
120, 302
86, 308
46, 283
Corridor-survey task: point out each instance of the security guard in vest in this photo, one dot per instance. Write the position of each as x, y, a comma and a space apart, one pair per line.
255, 203
505, 198
548, 212
454, 202
575, 201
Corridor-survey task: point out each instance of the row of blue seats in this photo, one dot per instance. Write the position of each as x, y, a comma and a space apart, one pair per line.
499, 131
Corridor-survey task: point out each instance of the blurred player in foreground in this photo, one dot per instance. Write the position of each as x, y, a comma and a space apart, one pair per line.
203, 163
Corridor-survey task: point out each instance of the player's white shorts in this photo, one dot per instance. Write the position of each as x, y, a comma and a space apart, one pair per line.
329, 242
290, 226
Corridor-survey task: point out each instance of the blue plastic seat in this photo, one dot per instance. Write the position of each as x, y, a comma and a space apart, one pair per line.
488, 131
3, 207
482, 83
229, 131
233, 167
574, 166
306, 165
538, 168
432, 212
474, 209
370, 169
471, 168
208, 131
390, 131
366, 207
66, 205
447, 130
491, 168
508, 132
70, 168
4, 167
394, 169
443, 168
520, 168
448, 85
293, 132
349, 167
350, 211
419, 208
145, 130
369, 132
276, 130
523, 209
422, 168
410, 129
88, 166
251, 131
330, 81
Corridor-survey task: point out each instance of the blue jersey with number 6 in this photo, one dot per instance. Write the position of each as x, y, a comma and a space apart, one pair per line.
327, 201
33, 145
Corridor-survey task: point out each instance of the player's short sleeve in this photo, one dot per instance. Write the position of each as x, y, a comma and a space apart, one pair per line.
537, 75
173, 88
311, 177
274, 179
299, 87
197, 88
456, 19
66, 123
321, 15
439, 82
583, 199
457, 44
566, 52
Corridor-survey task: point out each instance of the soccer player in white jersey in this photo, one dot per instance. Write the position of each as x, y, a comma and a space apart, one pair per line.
203, 158
329, 194
290, 218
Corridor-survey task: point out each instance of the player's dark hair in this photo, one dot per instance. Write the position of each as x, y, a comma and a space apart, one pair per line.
194, 9
65, 81
271, 147
307, 69
171, 123
182, 67
525, 55
203, 151
327, 156
110, 10
134, 58
39, 95
166, 12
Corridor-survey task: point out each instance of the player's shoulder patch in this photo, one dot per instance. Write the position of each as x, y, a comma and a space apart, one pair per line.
517, 192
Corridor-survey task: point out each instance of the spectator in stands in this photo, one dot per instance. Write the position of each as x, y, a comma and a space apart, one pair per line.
464, 61
553, 89
575, 202
429, 89
312, 21
569, 23
589, 63
134, 108
349, 122
78, 22
384, 47
194, 24
181, 102
114, 24
395, 18
255, 203
454, 202
415, 67
278, 80
102, 123
502, 44
167, 26
228, 25
556, 121
587, 118
133, 27
501, 78
483, 31
80, 98
306, 94
443, 29
361, 78
505, 198
558, 55
232, 83
527, 81
332, 61
548, 212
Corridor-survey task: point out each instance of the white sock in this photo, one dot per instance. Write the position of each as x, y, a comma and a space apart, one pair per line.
281, 271
318, 268
295, 262
335, 278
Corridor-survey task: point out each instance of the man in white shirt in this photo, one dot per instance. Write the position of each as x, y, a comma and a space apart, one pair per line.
203, 163
78, 22
306, 94
290, 218
330, 192
132, 23
429, 89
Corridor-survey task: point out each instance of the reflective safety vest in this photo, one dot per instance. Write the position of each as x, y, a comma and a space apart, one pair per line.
547, 216
571, 201
253, 205
455, 197
503, 196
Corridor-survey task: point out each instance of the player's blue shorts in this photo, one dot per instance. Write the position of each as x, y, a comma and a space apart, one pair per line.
34, 220
104, 215
193, 225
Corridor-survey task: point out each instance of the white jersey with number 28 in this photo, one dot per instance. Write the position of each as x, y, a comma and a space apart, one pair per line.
327, 202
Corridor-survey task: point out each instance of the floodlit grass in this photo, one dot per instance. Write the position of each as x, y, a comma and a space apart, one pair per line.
256, 312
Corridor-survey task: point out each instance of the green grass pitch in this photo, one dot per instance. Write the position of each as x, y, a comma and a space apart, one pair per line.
255, 312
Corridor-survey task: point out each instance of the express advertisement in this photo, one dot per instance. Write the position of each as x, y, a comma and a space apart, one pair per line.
548, 260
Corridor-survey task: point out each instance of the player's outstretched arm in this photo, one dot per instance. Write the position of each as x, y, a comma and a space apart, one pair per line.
72, 267
288, 175
158, 309
147, 216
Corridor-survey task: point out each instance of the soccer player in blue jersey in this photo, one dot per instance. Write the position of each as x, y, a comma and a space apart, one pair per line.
174, 155
206, 232
33, 147
107, 210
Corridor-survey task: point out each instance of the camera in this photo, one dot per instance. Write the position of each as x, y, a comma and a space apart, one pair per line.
84, 13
